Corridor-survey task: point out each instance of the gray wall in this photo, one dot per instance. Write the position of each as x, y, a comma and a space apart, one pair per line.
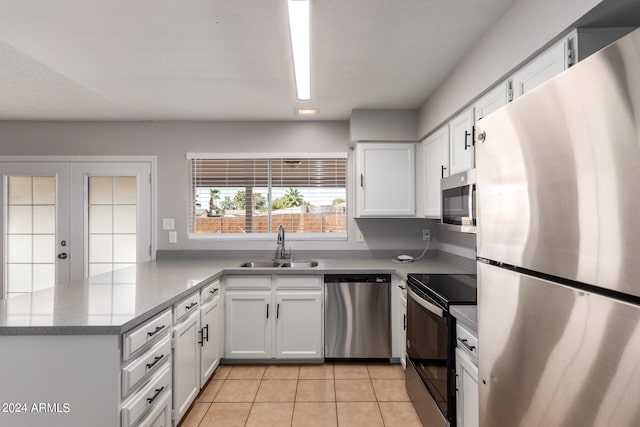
170, 141
522, 32
383, 125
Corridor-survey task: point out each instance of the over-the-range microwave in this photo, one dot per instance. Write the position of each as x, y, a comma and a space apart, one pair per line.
458, 194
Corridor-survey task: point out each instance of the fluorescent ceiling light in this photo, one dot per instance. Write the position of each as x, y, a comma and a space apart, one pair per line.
300, 45
306, 111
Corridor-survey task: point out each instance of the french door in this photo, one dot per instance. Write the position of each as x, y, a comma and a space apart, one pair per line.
66, 221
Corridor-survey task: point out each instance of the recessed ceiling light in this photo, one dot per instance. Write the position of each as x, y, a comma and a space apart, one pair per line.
299, 28
306, 112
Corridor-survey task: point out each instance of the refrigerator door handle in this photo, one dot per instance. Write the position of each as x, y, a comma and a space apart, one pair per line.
426, 304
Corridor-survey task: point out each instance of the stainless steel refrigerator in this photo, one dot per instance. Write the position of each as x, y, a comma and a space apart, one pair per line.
558, 193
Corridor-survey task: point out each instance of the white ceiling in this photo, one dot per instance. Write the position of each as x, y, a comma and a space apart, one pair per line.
226, 59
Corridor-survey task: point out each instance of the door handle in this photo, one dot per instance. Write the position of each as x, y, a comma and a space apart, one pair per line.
63, 255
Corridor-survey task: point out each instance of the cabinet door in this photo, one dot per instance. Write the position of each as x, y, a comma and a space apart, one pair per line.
299, 325
436, 167
248, 325
467, 391
209, 353
490, 101
547, 65
461, 149
386, 179
186, 363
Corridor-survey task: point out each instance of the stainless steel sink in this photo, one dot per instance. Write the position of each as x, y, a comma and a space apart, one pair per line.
260, 264
300, 264
276, 264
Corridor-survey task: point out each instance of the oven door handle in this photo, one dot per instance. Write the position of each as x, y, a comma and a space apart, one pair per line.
426, 304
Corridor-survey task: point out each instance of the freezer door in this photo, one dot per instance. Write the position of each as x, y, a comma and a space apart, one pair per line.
555, 356
557, 171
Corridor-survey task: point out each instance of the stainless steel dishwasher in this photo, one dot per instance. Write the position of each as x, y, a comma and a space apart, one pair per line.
356, 316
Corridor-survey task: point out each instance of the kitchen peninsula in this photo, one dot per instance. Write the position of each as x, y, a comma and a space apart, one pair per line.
65, 349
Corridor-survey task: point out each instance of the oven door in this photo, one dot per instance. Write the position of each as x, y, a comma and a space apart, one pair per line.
430, 339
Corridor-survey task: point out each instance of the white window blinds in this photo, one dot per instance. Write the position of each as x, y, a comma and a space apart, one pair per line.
255, 195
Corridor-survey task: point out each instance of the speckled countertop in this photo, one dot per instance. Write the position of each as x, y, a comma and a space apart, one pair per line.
111, 307
466, 314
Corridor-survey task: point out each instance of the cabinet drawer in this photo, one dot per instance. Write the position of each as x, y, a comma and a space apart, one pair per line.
150, 331
160, 416
249, 282
467, 341
145, 364
299, 282
186, 306
148, 398
209, 291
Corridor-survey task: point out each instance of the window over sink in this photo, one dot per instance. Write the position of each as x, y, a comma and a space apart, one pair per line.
239, 196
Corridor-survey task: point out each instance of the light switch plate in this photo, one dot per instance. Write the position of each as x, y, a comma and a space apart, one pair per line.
173, 237
167, 223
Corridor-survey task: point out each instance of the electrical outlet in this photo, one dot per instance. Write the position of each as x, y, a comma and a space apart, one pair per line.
426, 234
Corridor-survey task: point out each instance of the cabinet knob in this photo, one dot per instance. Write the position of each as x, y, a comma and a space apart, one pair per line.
482, 136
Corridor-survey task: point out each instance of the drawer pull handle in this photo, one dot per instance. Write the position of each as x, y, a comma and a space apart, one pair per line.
151, 399
190, 306
158, 329
463, 341
156, 360
213, 291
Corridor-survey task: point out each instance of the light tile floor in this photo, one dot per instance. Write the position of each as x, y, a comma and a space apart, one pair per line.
340, 394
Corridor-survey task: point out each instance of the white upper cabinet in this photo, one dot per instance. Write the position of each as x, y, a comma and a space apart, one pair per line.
436, 167
461, 149
575, 47
544, 67
490, 101
385, 174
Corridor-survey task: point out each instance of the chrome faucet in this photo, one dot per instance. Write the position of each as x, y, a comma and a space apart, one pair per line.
281, 251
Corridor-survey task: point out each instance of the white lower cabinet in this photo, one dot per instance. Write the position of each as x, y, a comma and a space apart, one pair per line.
146, 378
210, 341
298, 325
196, 345
147, 400
467, 393
467, 408
248, 324
160, 416
186, 363
280, 319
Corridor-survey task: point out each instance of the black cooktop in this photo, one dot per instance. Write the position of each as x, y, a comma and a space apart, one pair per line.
447, 289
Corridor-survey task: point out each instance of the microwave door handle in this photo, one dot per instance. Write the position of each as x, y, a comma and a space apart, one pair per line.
472, 204
426, 304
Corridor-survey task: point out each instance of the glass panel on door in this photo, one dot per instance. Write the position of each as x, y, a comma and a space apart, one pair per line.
112, 227
31, 233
